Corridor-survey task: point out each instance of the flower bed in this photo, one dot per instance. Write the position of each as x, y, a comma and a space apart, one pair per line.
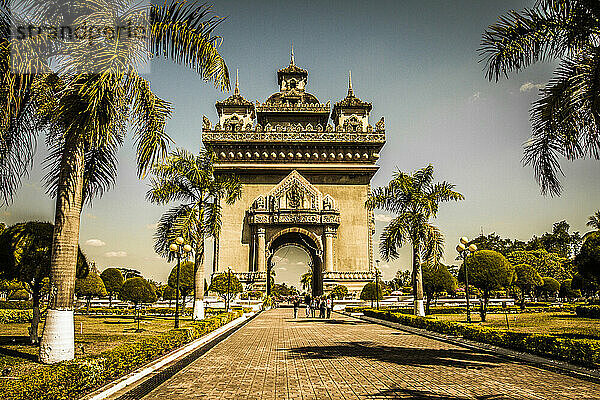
580, 351
72, 379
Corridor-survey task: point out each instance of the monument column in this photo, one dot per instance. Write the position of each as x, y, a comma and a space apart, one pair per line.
329, 233
261, 263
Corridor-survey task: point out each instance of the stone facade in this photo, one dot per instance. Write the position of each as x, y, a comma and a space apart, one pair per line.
304, 181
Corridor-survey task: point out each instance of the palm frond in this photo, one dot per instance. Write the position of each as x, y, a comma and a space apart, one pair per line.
394, 236
168, 229
183, 32
553, 29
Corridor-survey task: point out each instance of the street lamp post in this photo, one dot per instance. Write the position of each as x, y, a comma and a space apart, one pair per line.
178, 247
464, 252
377, 283
229, 296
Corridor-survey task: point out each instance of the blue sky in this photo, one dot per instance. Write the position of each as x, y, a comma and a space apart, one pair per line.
416, 61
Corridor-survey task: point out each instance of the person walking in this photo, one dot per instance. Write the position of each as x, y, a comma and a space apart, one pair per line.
296, 305
313, 306
329, 306
322, 307
307, 302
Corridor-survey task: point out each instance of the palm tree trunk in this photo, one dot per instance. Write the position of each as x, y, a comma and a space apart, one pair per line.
418, 284
58, 339
198, 312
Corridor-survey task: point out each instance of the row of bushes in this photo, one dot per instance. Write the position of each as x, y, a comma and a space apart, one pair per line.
579, 351
72, 379
536, 307
15, 316
588, 311
15, 304
150, 311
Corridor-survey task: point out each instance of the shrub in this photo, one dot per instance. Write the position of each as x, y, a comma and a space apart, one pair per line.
15, 316
71, 379
16, 305
579, 351
369, 292
588, 311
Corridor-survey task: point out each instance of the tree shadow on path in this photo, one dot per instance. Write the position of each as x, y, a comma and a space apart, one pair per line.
458, 358
411, 394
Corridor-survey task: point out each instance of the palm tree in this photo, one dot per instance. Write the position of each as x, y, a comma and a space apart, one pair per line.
565, 119
594, 221
84, 105
415, 198
191, 179
306, 281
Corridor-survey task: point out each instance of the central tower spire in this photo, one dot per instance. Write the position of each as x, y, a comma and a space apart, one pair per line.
292, 61
350, 91
236, 91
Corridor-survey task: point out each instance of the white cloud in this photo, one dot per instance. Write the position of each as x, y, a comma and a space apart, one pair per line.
383, 217
151, 226
95, 243
116, 254
527, 86
277, 259
299, 263
90, 216
282, 269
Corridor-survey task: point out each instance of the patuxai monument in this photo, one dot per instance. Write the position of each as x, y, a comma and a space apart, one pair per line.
306, 169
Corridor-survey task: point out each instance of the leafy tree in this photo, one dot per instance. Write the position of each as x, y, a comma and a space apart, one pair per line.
549, 288
496, 243
370, 292
184, 176
90, 286
588, 259
25, 256
546, 264
9, 287
415, 198
340, 292
436, 279
527, 278
559, 241
138, 291
85, 113
564, 117
226, 286
281, 290
586, 286
488, 271
186, 279
566, 290
113, 280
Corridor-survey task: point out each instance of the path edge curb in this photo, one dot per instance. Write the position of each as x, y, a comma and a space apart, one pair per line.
531, 359
138, 375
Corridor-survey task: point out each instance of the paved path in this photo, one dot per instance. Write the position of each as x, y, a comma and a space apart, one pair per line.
276, 357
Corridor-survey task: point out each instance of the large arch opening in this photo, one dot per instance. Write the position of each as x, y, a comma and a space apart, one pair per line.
291, 263
311, 246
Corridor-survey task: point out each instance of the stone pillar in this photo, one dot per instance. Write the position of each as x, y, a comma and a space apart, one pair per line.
329, 233
261, 262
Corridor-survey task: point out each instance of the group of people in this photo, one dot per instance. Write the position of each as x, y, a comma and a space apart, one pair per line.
322, 304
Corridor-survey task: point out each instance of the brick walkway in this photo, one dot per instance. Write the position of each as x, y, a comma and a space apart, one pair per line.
276, 357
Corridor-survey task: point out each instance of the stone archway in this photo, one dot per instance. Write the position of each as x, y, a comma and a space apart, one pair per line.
306, 240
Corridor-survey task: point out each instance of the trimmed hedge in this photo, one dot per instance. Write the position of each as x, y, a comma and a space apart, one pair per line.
15, 316
16, 304
588, 311
578, 351
72, 379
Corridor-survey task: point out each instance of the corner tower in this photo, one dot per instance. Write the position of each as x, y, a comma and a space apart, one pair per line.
305, 181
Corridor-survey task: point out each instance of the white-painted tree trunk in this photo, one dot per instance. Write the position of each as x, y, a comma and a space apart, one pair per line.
58, 338
198, 309
419, 308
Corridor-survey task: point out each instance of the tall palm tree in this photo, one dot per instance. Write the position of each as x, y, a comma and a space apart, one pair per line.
191, 179
415, 198
565, 119
594, 221
84, 104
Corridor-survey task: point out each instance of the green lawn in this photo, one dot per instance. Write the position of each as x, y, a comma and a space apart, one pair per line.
93, 335
557, 323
